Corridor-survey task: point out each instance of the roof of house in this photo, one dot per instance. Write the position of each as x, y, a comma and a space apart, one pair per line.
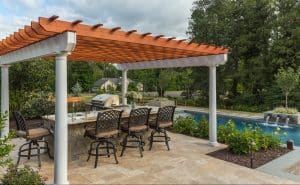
113, 80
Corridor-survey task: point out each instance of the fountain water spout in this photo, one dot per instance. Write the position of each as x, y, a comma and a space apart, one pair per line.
287, 121
277, 120
267, 119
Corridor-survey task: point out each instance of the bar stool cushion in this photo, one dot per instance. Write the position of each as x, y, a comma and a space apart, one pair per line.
37, 132
33, 133
165, 124
161, 124
138, 128
107, 134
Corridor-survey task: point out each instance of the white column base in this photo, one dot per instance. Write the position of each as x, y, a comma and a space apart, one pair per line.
214, 144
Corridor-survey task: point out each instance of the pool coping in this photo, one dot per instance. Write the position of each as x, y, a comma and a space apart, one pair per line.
279, 166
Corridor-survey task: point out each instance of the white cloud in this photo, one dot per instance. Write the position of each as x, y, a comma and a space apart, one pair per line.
168, 17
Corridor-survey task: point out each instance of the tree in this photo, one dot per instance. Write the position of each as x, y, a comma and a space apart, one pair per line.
163, 81
262, 36
287, 80
187, 80
77, 89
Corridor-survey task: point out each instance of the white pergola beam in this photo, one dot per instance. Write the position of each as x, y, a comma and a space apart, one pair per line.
63, 42
211, 60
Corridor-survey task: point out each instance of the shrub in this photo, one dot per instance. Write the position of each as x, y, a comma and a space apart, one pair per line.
238, 141
202, 129
77, 89
38, 104
24, 176
185, 125
225, 130
5, 146
285, 110
133, 96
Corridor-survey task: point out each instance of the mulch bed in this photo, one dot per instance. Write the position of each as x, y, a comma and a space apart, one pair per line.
260, 157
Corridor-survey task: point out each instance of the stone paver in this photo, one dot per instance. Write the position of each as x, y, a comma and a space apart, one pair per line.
186, 163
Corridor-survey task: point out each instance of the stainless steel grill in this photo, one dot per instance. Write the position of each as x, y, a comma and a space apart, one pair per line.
104, 101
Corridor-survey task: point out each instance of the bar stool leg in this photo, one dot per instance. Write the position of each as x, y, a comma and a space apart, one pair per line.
166, 139
140, 146
38, 154
29, 150
124, 145
97, 155
107, 150
151, 140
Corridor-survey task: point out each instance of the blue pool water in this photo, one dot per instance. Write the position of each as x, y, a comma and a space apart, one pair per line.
293, 133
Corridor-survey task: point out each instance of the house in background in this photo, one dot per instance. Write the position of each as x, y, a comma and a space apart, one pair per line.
107, 84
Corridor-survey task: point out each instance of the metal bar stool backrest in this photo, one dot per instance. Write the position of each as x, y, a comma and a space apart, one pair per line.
108, 121
139, 117
165, 114
20, 121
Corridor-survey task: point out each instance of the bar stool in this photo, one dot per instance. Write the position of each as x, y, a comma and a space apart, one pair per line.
163, 121
33, 137
106, 129
135, 128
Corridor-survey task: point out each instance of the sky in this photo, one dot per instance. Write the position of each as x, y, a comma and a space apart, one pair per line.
167, 17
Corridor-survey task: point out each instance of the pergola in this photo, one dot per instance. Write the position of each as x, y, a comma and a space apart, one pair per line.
79, 42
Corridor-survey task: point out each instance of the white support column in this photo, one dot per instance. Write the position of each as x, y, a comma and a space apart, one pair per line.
5, 97
212, 106
124, 86
61, 124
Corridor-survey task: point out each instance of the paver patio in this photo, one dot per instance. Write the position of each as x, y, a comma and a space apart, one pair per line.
186, 163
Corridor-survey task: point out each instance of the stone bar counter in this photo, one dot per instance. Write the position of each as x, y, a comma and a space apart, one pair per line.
77, 143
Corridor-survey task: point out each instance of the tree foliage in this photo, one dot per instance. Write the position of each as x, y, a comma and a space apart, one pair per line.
287, 80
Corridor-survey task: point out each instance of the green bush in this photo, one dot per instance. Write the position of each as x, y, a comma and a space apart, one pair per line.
24, 176
202, 129
238, 141
5, 146
38, 104
285, 110
185, 125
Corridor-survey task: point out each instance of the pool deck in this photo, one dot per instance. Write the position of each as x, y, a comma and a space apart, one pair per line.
239, 114
185, 163
284, 166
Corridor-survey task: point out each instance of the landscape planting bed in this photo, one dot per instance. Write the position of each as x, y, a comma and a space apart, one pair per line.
259, 158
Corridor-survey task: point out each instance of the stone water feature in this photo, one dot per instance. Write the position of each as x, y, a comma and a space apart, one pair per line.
281, 118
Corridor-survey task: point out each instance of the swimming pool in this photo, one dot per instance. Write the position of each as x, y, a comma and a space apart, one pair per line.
292, 132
